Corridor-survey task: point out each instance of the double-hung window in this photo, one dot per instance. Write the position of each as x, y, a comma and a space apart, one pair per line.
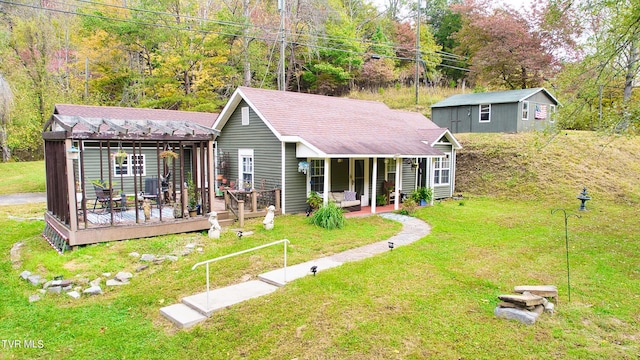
245, 163
442, 169
525, 110
316, 175
129, 165
390, 169
485, 113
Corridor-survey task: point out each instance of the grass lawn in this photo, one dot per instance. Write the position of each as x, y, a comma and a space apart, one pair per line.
22, 177
431, 299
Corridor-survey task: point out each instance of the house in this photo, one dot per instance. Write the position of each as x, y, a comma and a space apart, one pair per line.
125, 149
503, 111
301, 143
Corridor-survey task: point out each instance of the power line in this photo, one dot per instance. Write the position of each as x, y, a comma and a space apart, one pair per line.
447, 56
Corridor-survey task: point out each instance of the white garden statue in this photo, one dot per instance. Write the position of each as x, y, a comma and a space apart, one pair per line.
214, 231
268, 219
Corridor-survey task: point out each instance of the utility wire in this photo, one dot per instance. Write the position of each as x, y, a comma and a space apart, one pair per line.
266, 39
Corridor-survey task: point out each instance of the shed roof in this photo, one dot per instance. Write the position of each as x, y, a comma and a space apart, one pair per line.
82, 121
497, 97
332, 126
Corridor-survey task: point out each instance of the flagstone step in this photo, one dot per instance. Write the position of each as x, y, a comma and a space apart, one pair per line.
227, 296
182, 316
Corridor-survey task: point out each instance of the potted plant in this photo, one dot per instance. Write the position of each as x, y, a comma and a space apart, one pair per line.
314, 200
422, 195
381, 199
119, 156
192, 204
168, 156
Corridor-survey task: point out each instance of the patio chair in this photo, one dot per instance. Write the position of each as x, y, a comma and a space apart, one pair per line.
103, 196
151, 190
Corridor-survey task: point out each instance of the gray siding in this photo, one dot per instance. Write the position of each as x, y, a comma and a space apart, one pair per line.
445, 191
532, 123
92, 172
408, 178
505, 117
296, 182
257, 136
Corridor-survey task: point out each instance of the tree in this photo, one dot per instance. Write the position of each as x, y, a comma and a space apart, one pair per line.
505, 51
6, 104
599, 87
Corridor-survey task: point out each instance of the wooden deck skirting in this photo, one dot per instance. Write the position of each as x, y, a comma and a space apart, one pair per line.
126, 231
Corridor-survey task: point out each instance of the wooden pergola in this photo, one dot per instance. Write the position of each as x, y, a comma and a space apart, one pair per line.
74, 143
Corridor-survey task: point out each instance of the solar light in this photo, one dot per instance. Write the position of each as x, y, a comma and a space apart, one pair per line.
391, 245
314, 270
239, 233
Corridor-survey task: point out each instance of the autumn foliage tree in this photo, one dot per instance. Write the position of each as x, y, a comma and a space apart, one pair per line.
504, 50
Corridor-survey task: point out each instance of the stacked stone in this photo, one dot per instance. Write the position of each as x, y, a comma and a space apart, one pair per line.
530, 303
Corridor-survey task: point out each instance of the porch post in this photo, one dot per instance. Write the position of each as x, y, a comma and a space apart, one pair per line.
396, 189
327, 175
211, 179
374, 182
71, 188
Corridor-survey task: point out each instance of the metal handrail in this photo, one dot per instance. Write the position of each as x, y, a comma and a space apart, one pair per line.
207, 262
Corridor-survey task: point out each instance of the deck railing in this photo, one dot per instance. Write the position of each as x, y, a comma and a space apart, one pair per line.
250, 202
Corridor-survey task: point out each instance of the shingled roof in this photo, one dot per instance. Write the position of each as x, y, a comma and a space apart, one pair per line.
496, 97
340, 127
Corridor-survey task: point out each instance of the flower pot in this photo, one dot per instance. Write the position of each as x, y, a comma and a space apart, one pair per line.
192, 213
423, 202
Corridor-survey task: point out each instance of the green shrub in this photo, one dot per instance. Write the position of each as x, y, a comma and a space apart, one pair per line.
330, 216
408, 206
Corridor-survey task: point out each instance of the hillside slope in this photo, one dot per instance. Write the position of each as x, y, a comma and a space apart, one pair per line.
554, 168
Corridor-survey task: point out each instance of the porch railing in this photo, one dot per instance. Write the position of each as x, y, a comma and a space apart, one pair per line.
207, 262
254, 201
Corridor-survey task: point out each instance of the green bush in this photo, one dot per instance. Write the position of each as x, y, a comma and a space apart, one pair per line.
408, 206
330, 216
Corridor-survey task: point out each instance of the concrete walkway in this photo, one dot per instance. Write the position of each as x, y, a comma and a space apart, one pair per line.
194, 309
23, 198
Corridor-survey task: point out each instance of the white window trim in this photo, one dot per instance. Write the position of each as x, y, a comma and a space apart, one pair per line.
437, 166
246, 153
525, 104
480, 113
129, 166
552, 113
390, 167
245, 115
309, 175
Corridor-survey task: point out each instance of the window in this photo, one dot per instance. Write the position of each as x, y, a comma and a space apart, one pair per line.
245, 162
390, 169
130, 165
317, 176
552, 110
525, 110
245, 115
485, 113
441, 170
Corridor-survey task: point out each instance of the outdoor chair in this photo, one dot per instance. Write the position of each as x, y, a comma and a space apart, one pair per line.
151, 190
103, 196
389, 189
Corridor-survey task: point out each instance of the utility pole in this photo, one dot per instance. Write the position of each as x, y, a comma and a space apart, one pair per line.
281, 77
417, 79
